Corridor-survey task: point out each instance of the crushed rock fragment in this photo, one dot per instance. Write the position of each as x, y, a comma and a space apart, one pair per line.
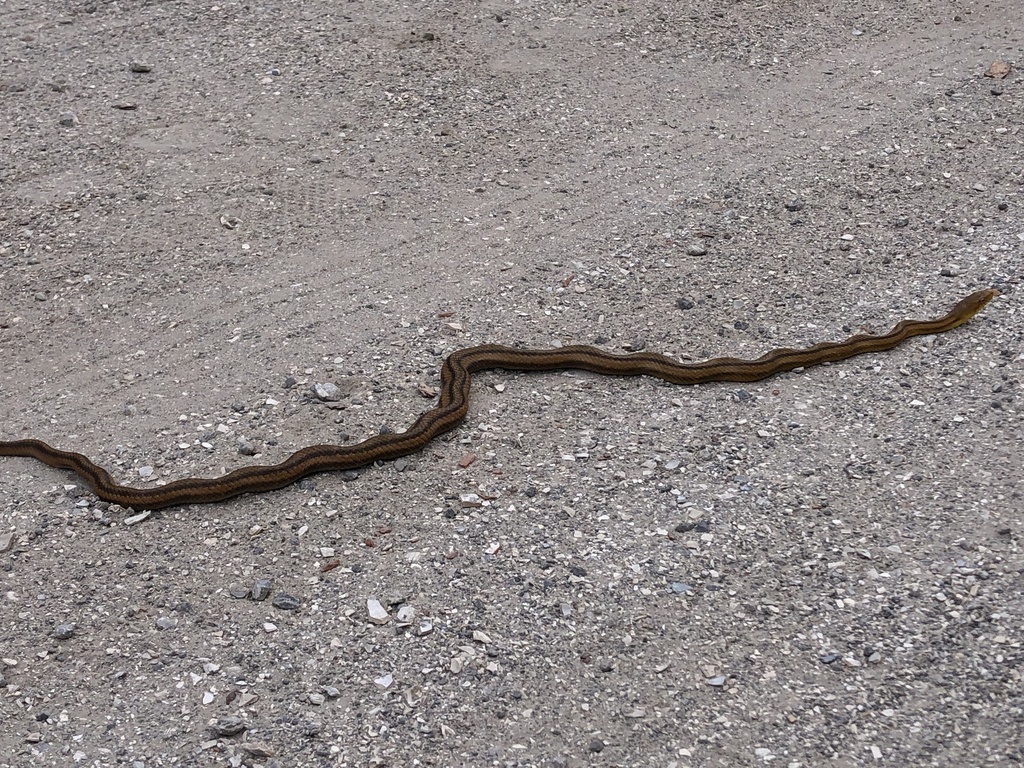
327, 391
376, 612
285, 602
257, 749
138, 518
405, 616
230, 725
261, 589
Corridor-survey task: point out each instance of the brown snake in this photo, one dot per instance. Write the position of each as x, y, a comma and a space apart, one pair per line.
454, 402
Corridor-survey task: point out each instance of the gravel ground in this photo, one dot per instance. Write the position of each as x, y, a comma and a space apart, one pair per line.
206, 209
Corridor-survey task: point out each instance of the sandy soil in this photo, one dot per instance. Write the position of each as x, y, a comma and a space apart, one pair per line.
205, 209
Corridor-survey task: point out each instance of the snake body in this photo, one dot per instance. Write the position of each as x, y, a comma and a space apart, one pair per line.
453, 402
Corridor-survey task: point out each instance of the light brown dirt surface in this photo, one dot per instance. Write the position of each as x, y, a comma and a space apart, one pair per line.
207, 208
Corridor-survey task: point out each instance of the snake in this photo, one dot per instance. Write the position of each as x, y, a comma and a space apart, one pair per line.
453, 404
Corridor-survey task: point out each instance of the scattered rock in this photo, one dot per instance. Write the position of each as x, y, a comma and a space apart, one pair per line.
138, 518
998, 70
285, 602
261, 589
406, 615
230, 725
327, 391
376, 612
257, 749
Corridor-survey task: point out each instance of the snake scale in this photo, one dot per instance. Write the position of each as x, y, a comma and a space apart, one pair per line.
456, 374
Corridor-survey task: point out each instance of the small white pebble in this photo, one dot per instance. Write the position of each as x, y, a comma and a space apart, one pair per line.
376, 612
406, 614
